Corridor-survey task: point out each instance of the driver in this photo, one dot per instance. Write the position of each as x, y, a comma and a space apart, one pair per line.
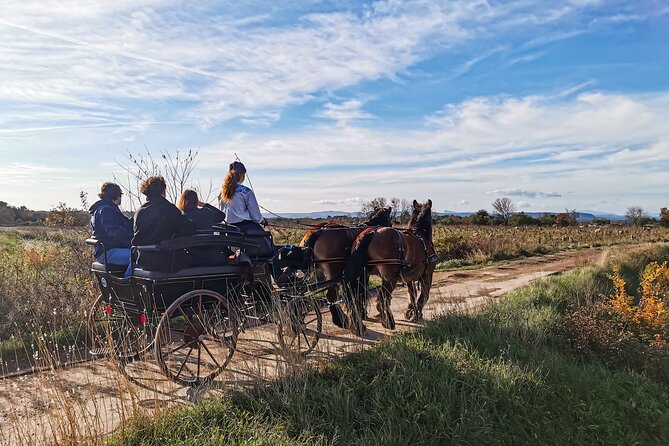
239, 202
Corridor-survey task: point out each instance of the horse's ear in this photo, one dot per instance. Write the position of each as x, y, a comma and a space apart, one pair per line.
428, 203
416, 205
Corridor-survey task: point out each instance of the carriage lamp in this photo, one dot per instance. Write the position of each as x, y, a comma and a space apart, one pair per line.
142, 318
108, 310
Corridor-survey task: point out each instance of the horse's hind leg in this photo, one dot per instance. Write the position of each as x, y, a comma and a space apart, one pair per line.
339, 318
411, 308
385, 296
356, 300
425, 285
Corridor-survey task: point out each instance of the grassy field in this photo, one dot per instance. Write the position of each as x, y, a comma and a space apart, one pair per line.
505, 375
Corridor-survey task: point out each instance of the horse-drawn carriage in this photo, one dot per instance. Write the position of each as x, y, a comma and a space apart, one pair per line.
191, 318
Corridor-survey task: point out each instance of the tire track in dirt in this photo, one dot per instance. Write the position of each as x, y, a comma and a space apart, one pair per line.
93, 398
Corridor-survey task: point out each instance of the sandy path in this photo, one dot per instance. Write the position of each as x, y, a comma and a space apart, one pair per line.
93, 398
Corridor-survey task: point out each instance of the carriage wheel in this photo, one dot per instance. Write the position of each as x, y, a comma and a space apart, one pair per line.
196, 337
300, 325
112, 332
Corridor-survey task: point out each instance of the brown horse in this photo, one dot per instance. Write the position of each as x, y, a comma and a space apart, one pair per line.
331, 244
393, 254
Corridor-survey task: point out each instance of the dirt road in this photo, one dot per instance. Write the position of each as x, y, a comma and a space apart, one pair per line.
93, 398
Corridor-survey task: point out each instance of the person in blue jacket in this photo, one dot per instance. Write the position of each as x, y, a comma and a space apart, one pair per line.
112, 228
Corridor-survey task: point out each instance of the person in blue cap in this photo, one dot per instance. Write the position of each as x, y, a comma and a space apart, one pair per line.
110, 227
239, 202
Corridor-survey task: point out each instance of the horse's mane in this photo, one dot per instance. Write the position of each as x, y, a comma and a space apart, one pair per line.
380, 217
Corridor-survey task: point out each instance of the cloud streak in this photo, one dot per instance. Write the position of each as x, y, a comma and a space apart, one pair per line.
77, 53
523, 193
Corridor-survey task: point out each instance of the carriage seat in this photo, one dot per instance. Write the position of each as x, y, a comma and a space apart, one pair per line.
198, 271
114, 269
260, 244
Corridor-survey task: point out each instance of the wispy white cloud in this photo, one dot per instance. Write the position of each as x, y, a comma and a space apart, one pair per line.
82, 54
345, 112
513, 192
349, 203
23, 173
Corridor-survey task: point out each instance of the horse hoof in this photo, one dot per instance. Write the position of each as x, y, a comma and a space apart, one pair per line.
339, 318
409, 314
360, 330
388, 322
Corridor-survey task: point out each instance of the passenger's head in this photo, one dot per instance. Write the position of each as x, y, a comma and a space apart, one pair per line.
188, 200
235, 175
110, 191
153, 187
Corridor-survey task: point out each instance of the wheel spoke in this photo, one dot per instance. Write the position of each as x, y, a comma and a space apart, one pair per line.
187, 319
174, 350
210, 355
304, 335
184, 363
199, 354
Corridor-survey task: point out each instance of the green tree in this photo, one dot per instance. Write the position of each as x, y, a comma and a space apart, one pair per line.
481, 217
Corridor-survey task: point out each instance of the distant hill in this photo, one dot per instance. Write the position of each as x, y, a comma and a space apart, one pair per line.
317, 214
583, 216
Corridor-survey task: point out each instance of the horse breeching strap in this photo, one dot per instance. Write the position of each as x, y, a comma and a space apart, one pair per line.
401, 258
335, 259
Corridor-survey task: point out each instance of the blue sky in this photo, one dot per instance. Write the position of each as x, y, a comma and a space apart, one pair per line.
553, 104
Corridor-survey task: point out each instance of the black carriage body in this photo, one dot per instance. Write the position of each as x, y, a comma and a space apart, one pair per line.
150, 293
181, 312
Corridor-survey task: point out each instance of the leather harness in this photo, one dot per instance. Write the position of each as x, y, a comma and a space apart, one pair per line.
401, 257
351, 239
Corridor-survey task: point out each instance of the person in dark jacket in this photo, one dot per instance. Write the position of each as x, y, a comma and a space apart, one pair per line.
159, 220
202, 214
111, 227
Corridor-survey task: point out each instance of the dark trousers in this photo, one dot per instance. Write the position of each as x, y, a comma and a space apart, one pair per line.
250, 227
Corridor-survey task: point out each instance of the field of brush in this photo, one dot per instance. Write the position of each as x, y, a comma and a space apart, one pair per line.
46, 288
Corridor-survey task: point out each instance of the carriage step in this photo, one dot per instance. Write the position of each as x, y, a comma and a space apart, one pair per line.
99, 351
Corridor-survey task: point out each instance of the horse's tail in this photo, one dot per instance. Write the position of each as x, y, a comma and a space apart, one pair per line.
355, 273
309, 239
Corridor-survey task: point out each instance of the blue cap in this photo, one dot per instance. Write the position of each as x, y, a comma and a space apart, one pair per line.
239, 167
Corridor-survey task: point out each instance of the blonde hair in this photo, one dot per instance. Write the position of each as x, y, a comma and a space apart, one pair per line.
230, 183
